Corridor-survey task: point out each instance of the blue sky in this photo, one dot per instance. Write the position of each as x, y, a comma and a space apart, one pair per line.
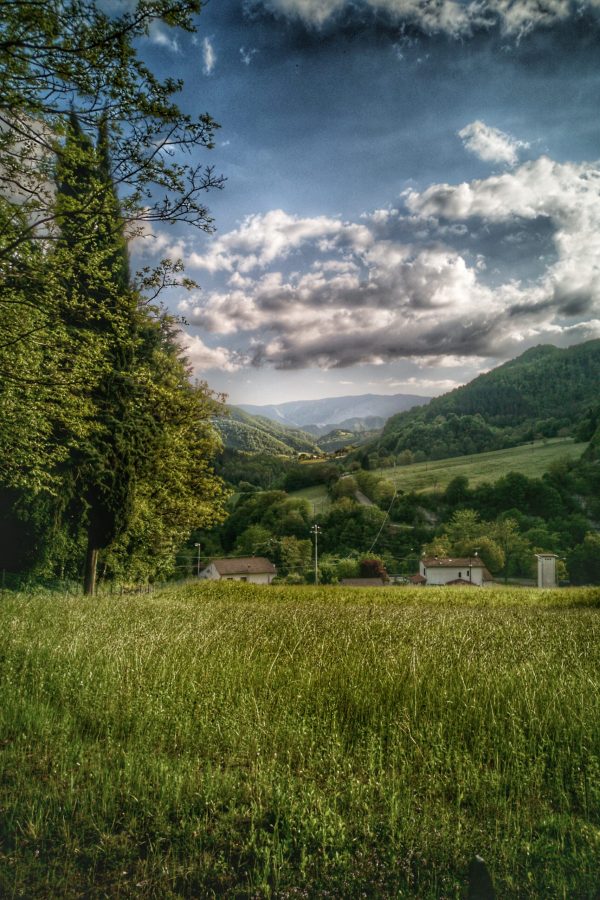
412, 196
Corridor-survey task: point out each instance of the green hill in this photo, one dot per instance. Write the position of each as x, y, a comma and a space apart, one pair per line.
531, 460
545, 392
257, 434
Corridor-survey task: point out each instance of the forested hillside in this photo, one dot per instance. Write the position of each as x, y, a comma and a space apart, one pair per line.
543, 393
257, 434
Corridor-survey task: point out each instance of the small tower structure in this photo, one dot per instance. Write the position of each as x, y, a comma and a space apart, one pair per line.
546, 570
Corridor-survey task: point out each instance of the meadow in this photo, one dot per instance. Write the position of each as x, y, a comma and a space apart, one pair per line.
531, 460
229, 740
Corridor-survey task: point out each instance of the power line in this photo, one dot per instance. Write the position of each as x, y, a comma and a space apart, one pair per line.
387, 515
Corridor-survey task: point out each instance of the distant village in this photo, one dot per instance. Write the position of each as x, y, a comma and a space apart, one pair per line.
433, 572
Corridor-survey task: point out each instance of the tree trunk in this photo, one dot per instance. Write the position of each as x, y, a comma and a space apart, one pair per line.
89, 577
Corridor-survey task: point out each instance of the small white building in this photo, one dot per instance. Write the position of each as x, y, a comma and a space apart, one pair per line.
253, 569
438, 570
546, 570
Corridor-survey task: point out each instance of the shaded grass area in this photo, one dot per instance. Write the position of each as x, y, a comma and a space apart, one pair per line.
529, 459
317, 495
226, 740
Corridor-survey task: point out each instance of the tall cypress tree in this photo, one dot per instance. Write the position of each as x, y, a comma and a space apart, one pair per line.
138, 479
102, 308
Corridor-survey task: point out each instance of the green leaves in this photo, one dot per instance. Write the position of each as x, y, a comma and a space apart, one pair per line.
70, 53
102, 435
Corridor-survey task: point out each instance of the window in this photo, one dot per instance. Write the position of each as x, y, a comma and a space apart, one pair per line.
460, 574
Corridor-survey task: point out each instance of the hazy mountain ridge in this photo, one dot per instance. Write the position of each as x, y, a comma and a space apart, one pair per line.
330, 413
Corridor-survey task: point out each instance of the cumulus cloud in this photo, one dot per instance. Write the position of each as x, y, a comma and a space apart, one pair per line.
453, 17
159, 35
203, 358
491, 144
209, 57
261, 239
565, 193
390, 287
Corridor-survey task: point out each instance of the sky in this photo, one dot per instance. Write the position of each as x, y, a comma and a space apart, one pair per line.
412, 193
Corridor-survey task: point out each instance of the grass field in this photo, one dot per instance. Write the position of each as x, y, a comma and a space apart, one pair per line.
317, 496
530, 459
225, 740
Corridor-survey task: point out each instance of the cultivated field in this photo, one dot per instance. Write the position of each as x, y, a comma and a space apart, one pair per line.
224, 740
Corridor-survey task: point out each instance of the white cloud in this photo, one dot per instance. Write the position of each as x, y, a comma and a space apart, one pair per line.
430, 385
360, 294
247, 54
261, 239
491, 144
203, 358
209, 57
159, 35
565, 193
454, 17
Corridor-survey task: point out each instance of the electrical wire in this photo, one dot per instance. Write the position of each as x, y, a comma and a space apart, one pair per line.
387, 515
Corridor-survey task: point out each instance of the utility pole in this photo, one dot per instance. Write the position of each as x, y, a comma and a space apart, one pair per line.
198, 561
316, 530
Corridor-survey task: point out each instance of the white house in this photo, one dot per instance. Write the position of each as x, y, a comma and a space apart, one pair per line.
253, 569
439, 570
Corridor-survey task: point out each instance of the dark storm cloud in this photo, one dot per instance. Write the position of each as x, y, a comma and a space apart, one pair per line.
338, 351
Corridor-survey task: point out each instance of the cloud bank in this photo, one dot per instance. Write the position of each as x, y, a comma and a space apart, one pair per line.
453, 17
409, 282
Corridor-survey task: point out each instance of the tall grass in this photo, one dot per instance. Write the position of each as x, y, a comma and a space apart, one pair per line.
224, 740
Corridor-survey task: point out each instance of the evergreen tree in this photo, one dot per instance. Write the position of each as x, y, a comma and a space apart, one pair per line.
140, 480
101, 308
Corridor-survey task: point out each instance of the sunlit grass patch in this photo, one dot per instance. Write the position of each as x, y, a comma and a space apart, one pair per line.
228, 740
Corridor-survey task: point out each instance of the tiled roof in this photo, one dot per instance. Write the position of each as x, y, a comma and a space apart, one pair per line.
417, 579
461, 582
474, 562
245, 565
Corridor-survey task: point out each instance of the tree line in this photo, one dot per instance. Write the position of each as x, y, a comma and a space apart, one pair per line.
506, 522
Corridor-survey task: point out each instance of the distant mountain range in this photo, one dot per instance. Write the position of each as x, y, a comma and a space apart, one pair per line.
544, 392
365, 412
